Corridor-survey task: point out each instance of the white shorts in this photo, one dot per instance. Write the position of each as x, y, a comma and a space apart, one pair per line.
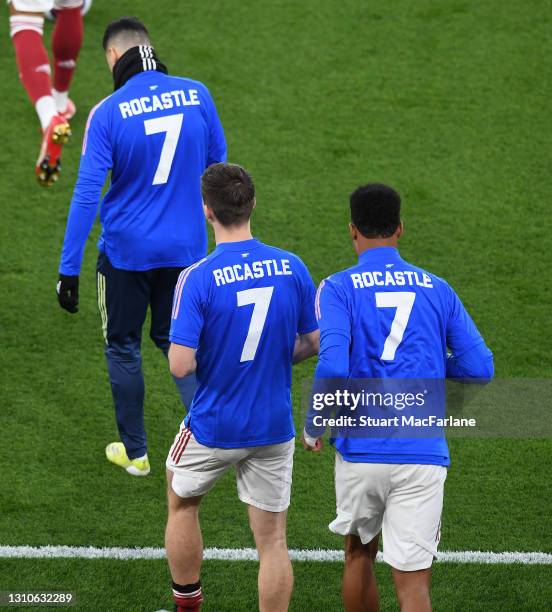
263, 473
43, 6
403, 501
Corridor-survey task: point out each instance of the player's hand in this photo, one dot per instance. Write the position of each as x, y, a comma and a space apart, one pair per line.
68, 292
308, 447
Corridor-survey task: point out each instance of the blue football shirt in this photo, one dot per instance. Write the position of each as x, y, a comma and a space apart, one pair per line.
387, 319
241, 308
156, 134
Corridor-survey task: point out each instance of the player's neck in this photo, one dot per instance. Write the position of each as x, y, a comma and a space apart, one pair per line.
366, 244
232, 234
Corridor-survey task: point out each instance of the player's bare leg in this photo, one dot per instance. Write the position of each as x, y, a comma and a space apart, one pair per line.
14, 11
275, 571
360, 590
413, 590
184, 546
183, 539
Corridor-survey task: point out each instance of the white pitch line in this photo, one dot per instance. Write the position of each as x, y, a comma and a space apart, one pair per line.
250, 554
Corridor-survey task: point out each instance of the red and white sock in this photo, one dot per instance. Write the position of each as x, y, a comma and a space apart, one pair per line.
187, 597
66, 44
33, 64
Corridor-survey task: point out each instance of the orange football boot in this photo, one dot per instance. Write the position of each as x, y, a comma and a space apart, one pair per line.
48, 165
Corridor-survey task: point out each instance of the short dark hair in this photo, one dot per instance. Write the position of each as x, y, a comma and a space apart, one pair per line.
229, 192
376, 210
124, 24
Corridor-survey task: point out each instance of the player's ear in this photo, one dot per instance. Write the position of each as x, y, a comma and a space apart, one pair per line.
355, 235
110, 57
208, 213
400, 230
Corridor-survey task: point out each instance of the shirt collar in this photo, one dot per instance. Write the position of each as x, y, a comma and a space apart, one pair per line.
386, 253
242, 245
144, 74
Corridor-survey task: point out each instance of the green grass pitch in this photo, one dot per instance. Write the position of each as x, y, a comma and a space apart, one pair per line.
447, 100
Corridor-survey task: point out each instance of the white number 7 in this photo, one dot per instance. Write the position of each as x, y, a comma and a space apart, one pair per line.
403, 302
171, 125
261, 298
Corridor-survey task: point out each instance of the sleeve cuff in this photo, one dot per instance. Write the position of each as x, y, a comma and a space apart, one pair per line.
69, 270
193, 344
309, 439
307, 330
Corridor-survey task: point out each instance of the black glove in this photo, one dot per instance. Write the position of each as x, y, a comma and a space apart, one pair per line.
68, 292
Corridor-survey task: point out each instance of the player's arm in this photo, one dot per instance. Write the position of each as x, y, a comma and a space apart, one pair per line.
470, 359
182, 360
307, 341
186, 323
333, 360
96, 161
306, 346
217, 151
